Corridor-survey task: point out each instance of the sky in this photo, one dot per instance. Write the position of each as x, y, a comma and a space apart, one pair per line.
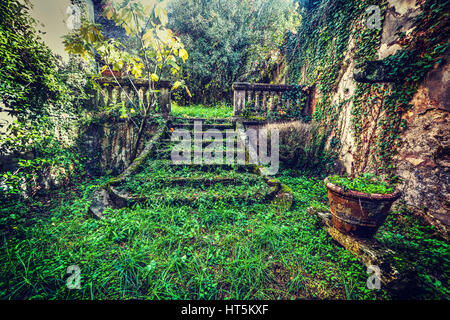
52, 19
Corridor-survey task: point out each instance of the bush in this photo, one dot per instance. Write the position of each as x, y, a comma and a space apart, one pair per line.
302, 146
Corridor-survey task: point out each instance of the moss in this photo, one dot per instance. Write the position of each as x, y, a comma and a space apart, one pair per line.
285, 188
283, 201
367, 183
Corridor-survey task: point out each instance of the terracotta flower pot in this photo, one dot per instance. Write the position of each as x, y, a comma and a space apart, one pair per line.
356, 213
109, 73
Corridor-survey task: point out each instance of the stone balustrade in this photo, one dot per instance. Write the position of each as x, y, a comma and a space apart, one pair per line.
117, 90
261, 98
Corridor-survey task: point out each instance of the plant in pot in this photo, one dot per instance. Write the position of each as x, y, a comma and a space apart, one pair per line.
110, 72
359, 206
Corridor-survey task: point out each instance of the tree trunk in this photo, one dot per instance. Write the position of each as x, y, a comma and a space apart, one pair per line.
139, 137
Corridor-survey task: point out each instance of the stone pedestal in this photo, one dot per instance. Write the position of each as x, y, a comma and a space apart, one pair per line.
395, 273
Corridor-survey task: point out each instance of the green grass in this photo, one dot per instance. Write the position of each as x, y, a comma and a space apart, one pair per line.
215, 250
200, 111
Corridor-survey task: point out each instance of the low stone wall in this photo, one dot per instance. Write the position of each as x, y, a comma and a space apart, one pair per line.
108, 142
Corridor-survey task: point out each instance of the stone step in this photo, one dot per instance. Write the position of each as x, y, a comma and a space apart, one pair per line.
198, 181
201, 134
197, 197
204, 141
200, 152
221, 143
207, 167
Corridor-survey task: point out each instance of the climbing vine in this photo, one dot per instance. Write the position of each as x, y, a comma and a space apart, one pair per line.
385, 103
317, 54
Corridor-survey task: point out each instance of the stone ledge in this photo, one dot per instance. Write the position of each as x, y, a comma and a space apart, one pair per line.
396, 273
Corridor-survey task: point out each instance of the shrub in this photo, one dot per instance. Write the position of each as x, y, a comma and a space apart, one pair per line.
302, 146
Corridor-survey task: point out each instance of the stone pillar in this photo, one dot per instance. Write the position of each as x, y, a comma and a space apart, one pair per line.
164, 97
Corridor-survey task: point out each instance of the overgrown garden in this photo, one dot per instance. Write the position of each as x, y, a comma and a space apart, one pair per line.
197, 231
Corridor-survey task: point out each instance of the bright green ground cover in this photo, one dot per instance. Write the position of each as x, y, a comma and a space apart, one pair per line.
200, 111
220, 246
215, 250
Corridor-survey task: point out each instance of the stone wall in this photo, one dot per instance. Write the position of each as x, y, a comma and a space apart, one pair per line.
423, 157
108, 144
423, 161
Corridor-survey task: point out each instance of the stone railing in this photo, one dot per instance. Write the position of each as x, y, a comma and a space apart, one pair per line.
117, 90
261, 98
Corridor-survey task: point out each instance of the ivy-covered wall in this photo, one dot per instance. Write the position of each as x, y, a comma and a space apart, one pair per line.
394, 119
108, 142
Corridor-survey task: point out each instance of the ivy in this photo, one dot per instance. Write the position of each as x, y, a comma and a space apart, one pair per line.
315, 55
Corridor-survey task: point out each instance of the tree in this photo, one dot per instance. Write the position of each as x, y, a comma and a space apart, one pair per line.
228, 41
29, 79
41, 96
151, 51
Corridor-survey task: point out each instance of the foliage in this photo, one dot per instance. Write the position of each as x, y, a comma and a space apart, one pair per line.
287, 106
319, 58
229, 41
44, 97
218, 250
367, 183
414, 237
422, 50
302, 146
151, 51
29, 80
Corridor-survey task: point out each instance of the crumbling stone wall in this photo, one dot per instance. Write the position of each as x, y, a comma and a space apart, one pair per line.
108, 144
422, 160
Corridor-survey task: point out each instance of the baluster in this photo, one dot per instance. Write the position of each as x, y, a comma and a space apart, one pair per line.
101, 98
264, 102
239, 99
132, 94
249, 100
141, 94
109, 98
118, 92
257, 101
279, 101
149, 98
288, 103
126, 95
272, 101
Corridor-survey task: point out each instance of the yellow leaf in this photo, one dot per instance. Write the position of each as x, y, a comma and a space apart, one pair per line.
109, 14
154, 77
161, 14
183, 54
127, 29
188, 92
176, 85
148, 38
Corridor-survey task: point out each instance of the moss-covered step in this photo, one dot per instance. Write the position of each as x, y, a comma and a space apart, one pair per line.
182, 195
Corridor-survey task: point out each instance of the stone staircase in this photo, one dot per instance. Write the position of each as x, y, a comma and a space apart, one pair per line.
158, 180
